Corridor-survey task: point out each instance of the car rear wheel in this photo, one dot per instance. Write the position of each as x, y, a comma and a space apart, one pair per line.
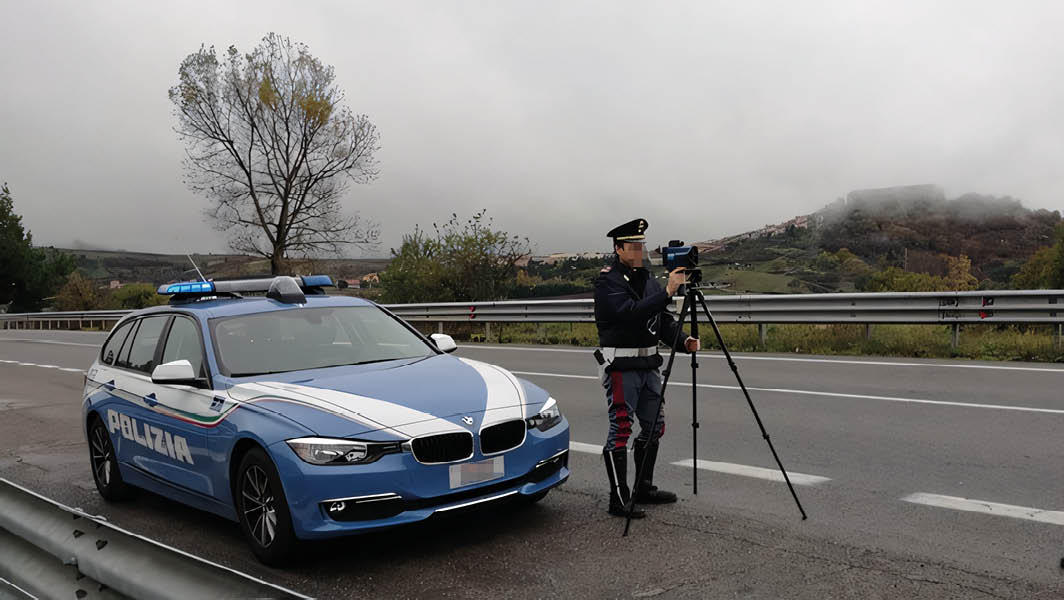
263, 509
104, 463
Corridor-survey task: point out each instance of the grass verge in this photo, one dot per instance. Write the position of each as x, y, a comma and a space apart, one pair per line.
1035, 343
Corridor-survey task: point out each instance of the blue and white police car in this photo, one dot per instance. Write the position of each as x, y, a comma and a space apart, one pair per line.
304, 416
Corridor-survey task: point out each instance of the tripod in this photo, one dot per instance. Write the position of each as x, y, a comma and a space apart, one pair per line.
692, 300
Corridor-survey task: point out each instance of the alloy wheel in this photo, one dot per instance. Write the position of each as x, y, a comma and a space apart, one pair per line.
259, 511
101, 456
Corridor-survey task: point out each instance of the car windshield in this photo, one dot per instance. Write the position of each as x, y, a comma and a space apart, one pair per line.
311, 338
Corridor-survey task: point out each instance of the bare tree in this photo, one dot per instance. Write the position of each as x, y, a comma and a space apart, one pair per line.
270, 143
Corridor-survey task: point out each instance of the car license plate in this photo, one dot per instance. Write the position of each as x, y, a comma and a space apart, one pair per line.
476, 472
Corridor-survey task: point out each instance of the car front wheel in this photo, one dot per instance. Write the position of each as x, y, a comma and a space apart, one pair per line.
263, 509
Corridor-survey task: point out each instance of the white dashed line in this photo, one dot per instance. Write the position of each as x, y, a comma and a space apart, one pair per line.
756, 472
587, 448
723, 467
1053, 517
1033, 409
56, 367
40, 341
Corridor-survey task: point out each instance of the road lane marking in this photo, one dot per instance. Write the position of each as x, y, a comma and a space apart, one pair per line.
588, 448
874, 363
40, 341
1032, 409
56, 367
722, 467
756, 472
1053, 517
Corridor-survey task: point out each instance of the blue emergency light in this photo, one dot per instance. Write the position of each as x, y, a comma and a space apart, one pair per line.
198, 287
288, 288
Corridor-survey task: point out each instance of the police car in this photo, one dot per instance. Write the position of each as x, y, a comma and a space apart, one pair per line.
305, 416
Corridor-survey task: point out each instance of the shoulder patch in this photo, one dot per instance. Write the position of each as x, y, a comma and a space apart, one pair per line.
606, 269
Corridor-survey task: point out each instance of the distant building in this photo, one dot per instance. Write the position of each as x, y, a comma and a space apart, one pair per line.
114, 285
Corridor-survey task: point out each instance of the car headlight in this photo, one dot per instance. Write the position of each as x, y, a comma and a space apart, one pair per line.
549, 416
331, 451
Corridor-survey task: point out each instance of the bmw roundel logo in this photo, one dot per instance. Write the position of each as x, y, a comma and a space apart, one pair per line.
467, 420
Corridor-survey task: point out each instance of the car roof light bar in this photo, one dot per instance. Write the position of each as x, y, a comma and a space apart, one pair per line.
305, 284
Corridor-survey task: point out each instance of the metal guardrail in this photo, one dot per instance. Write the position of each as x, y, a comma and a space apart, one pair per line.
103, 319
1003, 306
1006, 306
49, 550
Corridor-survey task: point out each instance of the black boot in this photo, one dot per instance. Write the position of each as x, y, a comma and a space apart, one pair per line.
617, 472
645, 490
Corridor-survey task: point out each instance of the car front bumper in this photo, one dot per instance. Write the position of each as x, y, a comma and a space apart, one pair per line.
328, 501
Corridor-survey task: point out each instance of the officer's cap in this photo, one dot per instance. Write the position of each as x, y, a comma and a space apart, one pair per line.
632, 231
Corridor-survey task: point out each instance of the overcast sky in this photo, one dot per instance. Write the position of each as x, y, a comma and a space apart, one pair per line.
561, 118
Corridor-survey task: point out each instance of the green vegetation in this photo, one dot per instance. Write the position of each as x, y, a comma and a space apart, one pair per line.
559, 278
28, 274
462, 262
977, 342
1045, 268
136, 295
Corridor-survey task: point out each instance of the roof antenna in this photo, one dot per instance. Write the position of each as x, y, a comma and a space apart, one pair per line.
202, 278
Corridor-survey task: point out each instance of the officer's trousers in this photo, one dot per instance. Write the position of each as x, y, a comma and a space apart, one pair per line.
628, 393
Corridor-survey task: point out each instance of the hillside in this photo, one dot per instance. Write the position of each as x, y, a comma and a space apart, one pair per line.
915, 228
836, 249
126, 267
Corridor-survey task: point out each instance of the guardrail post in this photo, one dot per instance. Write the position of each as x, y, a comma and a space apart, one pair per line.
439, 327
487, 332
541, 332
955, 339
868, 331
1060, 336
762, 332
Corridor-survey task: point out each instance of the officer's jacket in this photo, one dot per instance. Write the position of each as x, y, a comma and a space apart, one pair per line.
630, 312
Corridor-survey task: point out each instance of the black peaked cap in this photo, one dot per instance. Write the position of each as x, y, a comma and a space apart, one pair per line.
632, 231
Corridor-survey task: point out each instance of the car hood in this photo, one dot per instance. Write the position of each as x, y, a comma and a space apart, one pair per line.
439, 394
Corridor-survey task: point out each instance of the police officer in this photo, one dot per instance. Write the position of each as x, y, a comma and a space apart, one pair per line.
630, 311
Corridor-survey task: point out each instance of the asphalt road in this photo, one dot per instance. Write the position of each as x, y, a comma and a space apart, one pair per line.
888, 451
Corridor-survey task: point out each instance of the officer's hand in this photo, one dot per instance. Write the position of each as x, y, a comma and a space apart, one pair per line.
692, 344
676, 279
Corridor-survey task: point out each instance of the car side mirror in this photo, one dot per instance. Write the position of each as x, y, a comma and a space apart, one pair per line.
444, 342
178, 372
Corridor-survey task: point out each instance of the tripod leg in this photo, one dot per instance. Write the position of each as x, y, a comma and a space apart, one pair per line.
688, 308
742, 386
692, 292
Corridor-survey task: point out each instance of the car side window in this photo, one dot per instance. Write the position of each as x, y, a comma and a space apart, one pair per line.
123, 352
183, 343
145, 341
114, 343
